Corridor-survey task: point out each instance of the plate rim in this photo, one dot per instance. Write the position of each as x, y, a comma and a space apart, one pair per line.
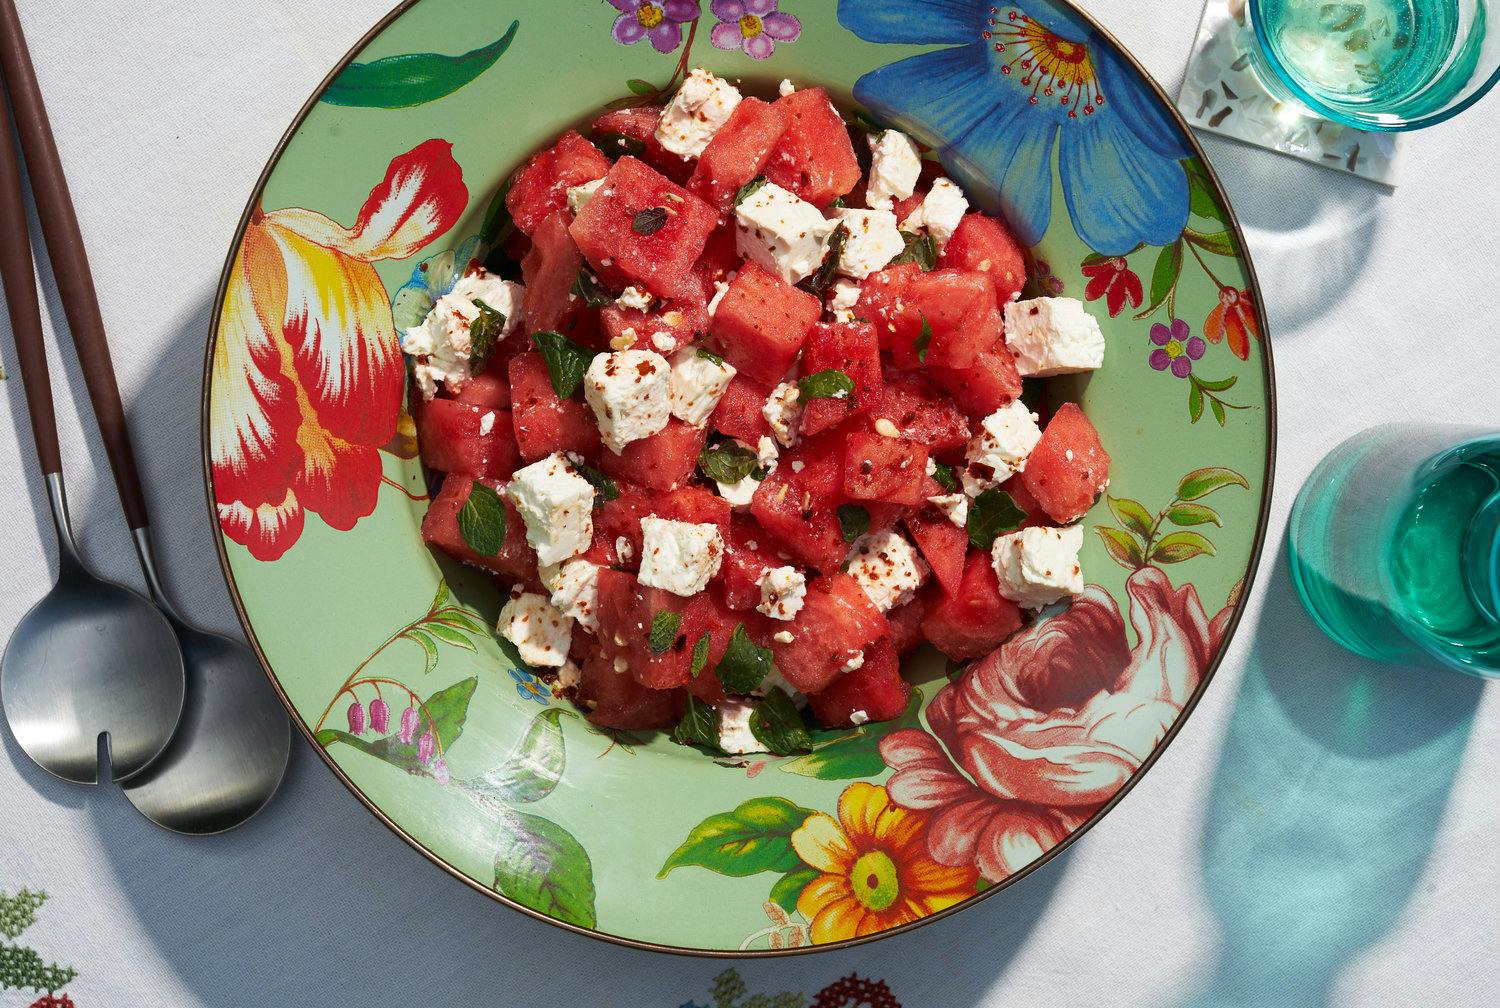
1245, 585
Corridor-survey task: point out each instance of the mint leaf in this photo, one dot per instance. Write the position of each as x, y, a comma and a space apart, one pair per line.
838, 203
992, 513
827, 384
604, 487
700, 656
834, 251
481, 521
854, 521
664, 626
587, 286
777, 724
566, 361
484, 334
943, 474
744, 665
699, 725
920, 249
748, 189
727, 462
709, 355
649, 221
615, 144
923, 340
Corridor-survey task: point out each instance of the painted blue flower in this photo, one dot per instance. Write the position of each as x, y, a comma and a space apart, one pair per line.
529, 687
1017, 87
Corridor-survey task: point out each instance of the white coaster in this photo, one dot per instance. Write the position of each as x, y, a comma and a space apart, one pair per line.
1220, 94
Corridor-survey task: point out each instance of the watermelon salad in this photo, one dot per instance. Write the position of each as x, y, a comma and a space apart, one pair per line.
734, 413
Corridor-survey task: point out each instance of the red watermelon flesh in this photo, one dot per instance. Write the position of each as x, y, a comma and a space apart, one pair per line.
921, 413
850, 347
662, 461
621, 703
544, 423
1068, 468
456, 437
906, 625
516, 559
983, 244
639, 124
748, 554
739, 414
875, 688
541, 186
837, 621
974, 621
762, 322
673, 325
980, 389
549, 270
943, 545
959, 311
488, 389
881, 468
738, 151
814, 157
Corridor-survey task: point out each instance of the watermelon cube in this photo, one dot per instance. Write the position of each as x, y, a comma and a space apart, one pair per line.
674, 325
541, 186
921, 413
617, 701
984, 386
906, 625
490, 389
626, 611
984, 245
640, 227
808, 534
549, 271
544, 423
879, 297
516, 560
1036, 517
961, 320
456, 437
837, 622
738, 152
748, 554
739, 412
881, 468
850, 347
943, 545
762, 322
975, 620
875, 689
720, 258
617, 524
636, 127
662, 461
814, 157
1068, 468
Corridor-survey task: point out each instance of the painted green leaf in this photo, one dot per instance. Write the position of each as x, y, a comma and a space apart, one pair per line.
1122, 547
460, 619
440, 600
448, 635
1180, 546
852, 755
1222, 385
1132, 515
414, 78
449, 709
1200, 192
1193, 514
1218, 411
429, 648
755, 837
532, 769
1217, 242
1163, 277
787, 888
1202, 482
542, 866
1195, 402
641, 87
498, 225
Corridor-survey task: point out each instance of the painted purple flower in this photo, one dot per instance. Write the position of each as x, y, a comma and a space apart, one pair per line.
409, 721
1175, 349
752, 25
426, 746
658, 20
356, 718
380, 716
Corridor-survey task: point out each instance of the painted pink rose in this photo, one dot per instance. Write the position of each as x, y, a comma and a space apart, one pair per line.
1038, 736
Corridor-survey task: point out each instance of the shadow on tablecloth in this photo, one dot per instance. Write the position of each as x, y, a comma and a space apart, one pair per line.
1330, 789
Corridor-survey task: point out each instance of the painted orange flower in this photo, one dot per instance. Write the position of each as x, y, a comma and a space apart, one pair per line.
1233, 316
875, 870
307, 374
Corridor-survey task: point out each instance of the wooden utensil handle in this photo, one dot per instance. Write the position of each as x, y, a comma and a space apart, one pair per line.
20, 298
49, 187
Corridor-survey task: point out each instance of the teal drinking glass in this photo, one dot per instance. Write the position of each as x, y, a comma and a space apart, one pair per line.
1376, 64
1394, 545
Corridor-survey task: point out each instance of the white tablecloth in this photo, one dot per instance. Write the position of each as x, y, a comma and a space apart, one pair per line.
1324, 831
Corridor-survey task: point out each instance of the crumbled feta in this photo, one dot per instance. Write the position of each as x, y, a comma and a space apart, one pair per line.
955, 506
440, 347
720, 289
843, 295
663, 342
939, 213
735, 736
557, 507
579, 195
698, 383
895, 165
785, 88
625, 340
568, 677
783, 591
623, 549
739, 494
1053, 336
540, 633
859, 717
783, 637
634, 297
486, 423
1039, 566
630, 392
575, 592
785, 235
887, 567
798, 465
783, 414
696, 112
856, 660
1001, 447
679, 557
873, 242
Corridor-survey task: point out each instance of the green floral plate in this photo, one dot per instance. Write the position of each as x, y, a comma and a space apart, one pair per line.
387, 185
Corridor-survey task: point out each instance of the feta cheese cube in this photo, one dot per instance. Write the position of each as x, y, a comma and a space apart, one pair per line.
955, 506
895, 165
679, 557
872, 243
557, 507
696, 112
783, 414
1001, 447
441, 347
630, 392
783, 592
1053, 336
783, 234
858, 718
785, 88
887, 567
735, 736
579, 195
540, 633
940, 212
739, 494
698, 383
1039, 566
575, 590
634, 297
